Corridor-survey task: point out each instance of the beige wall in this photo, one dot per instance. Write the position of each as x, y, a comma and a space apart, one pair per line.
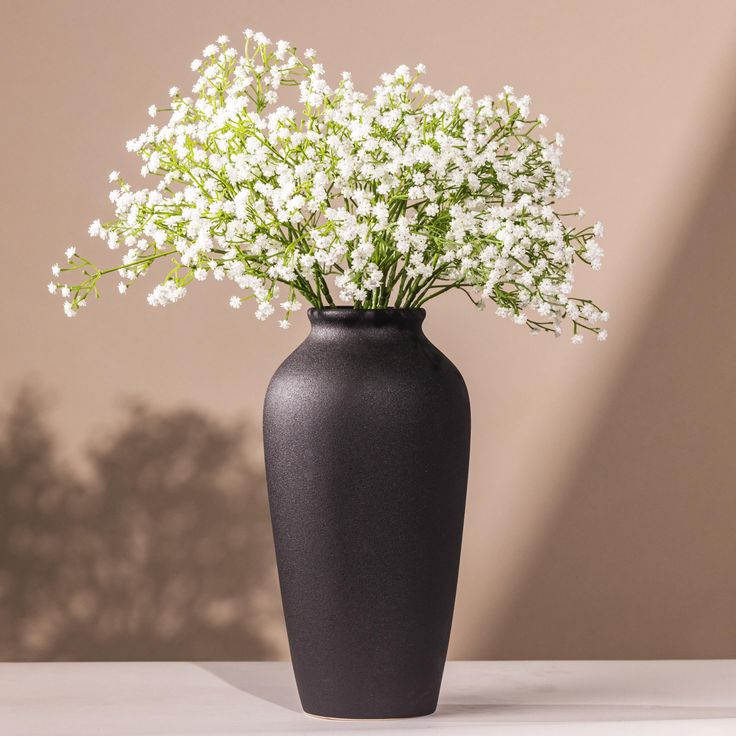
601, 501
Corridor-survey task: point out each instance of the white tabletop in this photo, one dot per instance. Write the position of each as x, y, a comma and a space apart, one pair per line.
215, 699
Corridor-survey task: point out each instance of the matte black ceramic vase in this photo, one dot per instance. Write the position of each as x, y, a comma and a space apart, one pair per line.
367, 432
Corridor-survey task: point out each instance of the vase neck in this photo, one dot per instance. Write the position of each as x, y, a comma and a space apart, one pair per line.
340, 319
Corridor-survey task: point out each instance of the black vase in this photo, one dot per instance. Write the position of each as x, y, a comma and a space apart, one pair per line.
367, 434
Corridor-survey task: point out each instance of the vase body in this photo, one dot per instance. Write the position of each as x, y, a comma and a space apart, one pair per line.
366, 434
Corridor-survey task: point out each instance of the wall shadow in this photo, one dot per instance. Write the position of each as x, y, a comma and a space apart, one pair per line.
640, 559
163, 553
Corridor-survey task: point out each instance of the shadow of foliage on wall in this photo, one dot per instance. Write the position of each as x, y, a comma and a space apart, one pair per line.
163, 551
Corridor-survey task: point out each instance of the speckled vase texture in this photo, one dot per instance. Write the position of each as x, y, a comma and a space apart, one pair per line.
367, 435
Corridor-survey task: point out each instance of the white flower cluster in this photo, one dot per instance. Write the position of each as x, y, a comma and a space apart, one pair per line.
384, 200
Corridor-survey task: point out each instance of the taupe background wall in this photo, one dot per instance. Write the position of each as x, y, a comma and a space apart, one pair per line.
602, 501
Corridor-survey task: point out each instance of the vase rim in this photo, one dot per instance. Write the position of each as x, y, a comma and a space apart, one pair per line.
377, 317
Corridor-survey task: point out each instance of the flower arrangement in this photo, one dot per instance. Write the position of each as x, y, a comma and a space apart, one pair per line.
375, 201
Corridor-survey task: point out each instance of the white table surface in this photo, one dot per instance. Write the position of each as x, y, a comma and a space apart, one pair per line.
215, 699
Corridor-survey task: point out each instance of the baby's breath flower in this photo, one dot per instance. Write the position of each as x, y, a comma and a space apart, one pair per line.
70, 253
166, 293
303, 197
265, 310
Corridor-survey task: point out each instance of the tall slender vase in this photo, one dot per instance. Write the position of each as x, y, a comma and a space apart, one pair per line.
367, 432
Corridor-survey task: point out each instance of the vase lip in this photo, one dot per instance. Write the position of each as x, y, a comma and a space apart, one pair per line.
413, 316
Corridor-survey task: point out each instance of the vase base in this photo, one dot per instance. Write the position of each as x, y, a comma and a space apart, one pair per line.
366, 720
